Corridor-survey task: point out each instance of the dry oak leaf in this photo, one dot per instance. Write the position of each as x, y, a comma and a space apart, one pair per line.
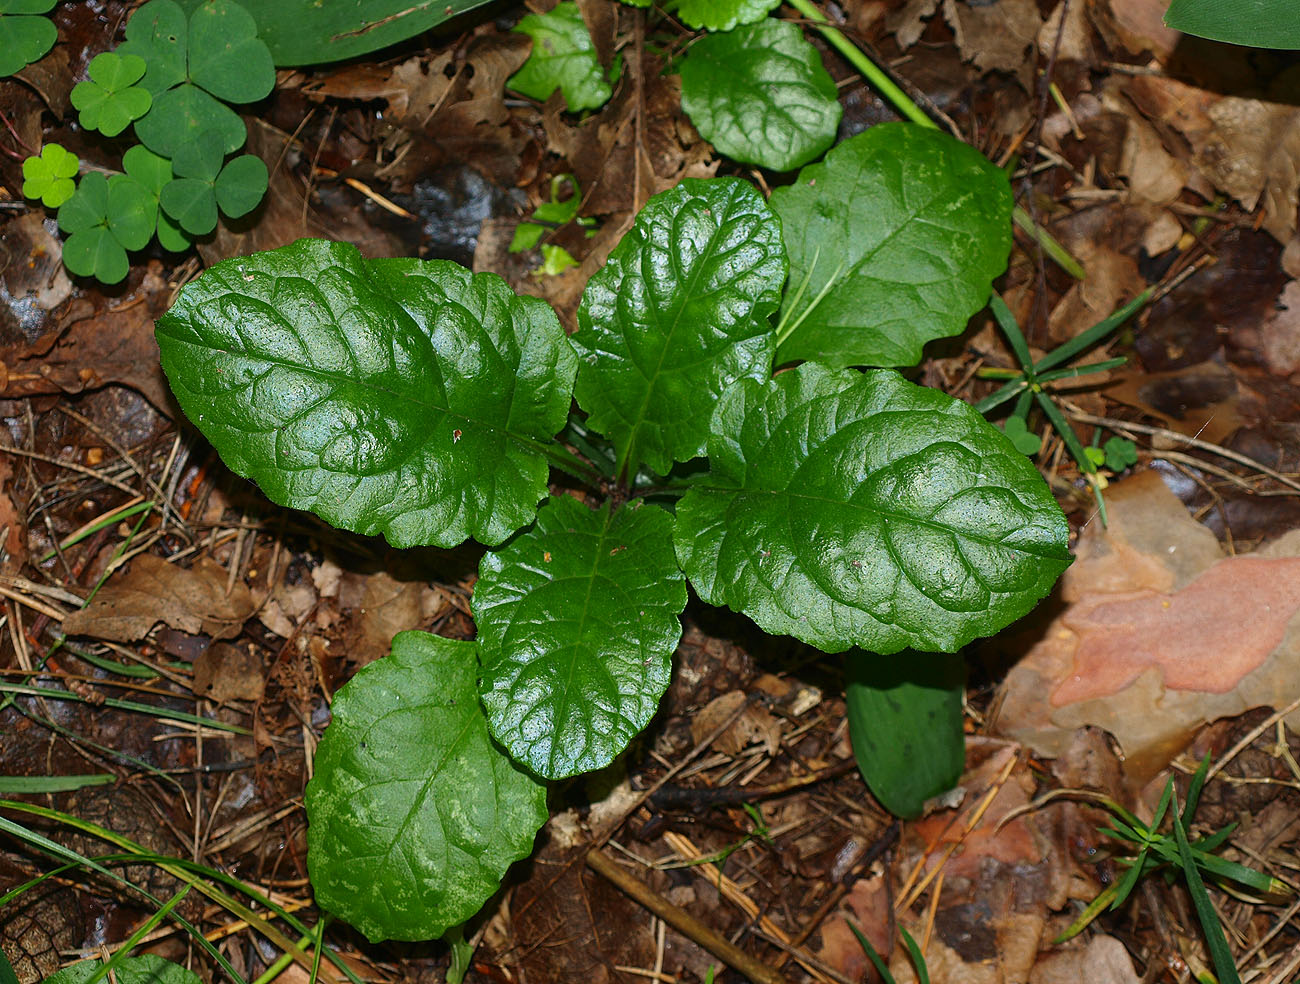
1161, 634
153, 591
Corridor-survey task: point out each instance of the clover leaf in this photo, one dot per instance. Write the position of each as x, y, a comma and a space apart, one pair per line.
105, 218
858, 509
195, 63
153, 173
564, 58
110, 100
24, 38
760, 95
49, 175
1120, 453
577, 623
202, 185
413, 812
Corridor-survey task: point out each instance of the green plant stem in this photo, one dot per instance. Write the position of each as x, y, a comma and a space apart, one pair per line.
886, 86
905, 105
144, 930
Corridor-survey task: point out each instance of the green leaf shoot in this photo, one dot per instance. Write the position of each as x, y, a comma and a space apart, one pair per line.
395, 397
760, 95
850, 509
577, 622
677, 314
414, 813
564, 58
898, 233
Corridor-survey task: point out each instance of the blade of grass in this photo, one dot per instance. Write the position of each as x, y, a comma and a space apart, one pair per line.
918, 958
871, 953
34, 785
109, 665
1094, 334
1091, 912
124, 705
1008, 392
1076, 371
1007, 322
1220, 954
36, 840
141, 932
122, 512
1195, 787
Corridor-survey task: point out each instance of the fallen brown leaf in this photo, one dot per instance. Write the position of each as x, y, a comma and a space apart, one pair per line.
151, 590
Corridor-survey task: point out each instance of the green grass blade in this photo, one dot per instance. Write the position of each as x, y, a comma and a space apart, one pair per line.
1054, 250
1195, 788
871, 953
1093, 910
109, 665
34, 785
1001, 395
166, 713
1125, 886
109, 520
1063, 428
1220, 954
144, 930
1007, 322
1075, 372
1093, 335
918, 958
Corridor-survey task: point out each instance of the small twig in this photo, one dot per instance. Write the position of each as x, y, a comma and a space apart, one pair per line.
682, 921
669, 796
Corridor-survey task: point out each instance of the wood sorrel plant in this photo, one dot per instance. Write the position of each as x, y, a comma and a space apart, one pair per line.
852, 510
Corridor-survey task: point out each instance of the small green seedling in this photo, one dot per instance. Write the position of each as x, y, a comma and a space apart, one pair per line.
550, 215
109, 101
1173, 854
48, 176
1031, 383
564, 58
25, 36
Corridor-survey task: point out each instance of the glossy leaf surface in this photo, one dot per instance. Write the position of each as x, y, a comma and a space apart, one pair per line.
760, 95
413, 813
563, 57
1259, 23
850, 509
894, 240
577, 623
679, 311
395, 397
905, 725
723, 15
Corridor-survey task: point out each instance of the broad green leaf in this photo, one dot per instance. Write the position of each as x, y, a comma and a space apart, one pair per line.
413, 813
894, 240
1258, 23
851, 509
225, 56
144, 969
905, 725
723, 15
679, 312
158, 32
760, 95
241, 185
564, 58
191, 203
180, 115
24, 39
48, 176
132, 211
400, 397
577, 623
308, 32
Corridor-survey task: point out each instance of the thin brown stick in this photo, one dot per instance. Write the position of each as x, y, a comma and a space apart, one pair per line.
682, 921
